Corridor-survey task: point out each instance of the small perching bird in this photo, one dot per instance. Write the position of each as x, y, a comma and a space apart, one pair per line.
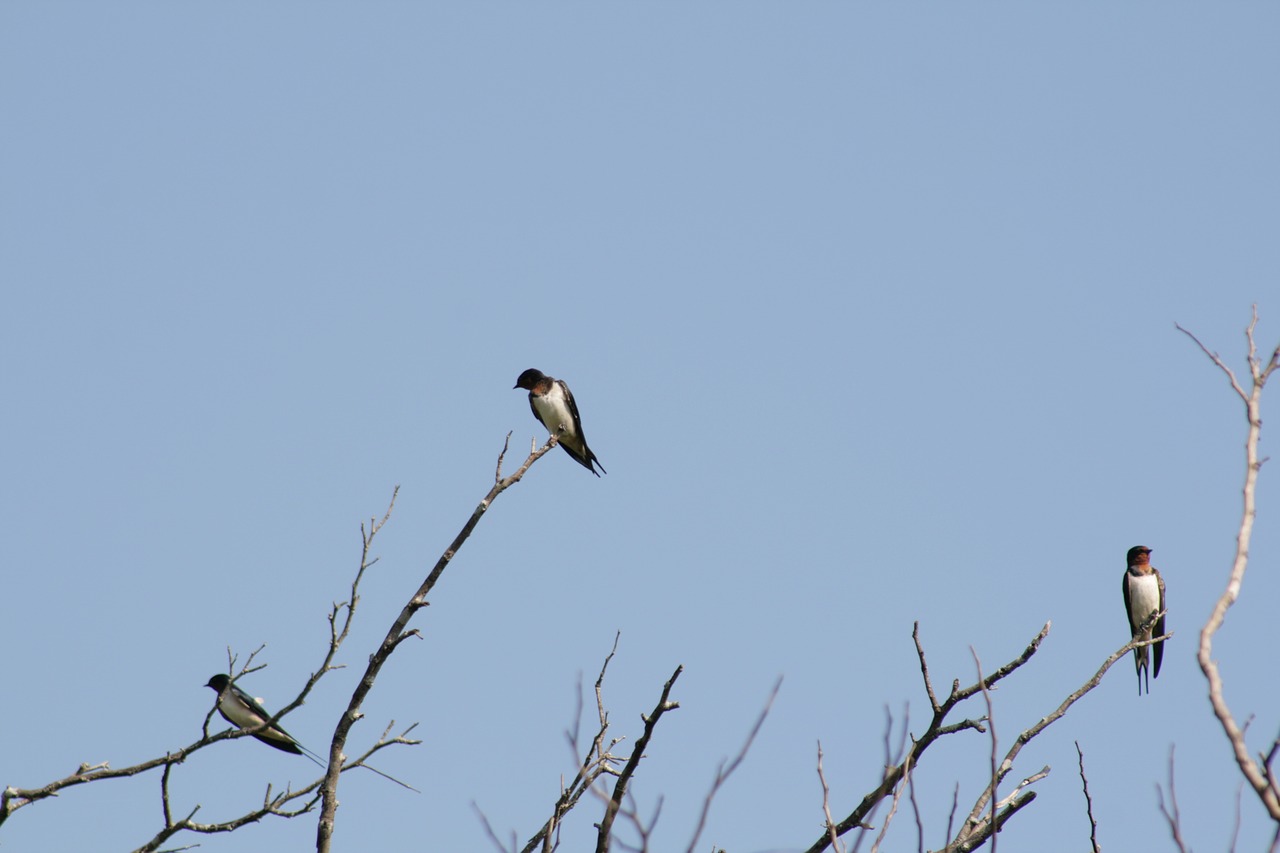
241, 709
1144, 595
552, 404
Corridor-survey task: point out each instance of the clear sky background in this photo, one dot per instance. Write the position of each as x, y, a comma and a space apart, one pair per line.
869, 311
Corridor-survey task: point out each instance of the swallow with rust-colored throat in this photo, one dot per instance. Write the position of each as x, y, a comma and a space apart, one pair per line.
552, 404
1144, 595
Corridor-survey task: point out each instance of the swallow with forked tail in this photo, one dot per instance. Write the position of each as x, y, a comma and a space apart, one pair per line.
1144, 595
552, 404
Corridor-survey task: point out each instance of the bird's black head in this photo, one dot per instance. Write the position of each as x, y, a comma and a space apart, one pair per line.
1138, 555
219, 682
529, 378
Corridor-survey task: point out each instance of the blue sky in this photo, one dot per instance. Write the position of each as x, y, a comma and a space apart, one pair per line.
869, 312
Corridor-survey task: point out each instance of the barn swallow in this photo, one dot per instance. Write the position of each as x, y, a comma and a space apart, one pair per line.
1144, 595
241, 709
552, 404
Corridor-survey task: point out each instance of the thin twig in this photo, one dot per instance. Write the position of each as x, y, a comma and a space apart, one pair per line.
723, 772
951, 816
826, 806
915, 810
597, 761
991, 723
892, 763
1172, 815
897, 797
1088, 803
1235, 822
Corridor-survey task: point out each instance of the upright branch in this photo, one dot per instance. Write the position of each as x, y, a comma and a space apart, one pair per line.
598, 760
614, 802
1258, 773
397, 634
829, 821
995, 747
1088, 803
1171, 813
890, 759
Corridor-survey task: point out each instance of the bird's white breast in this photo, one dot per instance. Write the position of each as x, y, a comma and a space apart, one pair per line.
237, 712
1144, 597
553, 410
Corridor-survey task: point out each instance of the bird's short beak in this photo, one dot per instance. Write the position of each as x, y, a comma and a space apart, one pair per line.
514, 387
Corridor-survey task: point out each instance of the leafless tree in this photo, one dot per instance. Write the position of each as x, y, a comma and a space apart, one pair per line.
606, 772
599, 760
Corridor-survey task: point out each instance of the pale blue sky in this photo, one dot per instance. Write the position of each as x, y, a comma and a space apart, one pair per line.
869, 312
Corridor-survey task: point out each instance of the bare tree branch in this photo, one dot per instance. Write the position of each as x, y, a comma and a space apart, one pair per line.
975, 830
605, 834
397, 634
1171, 814
493, 836
1088, 804
897, 797
1235, 821
978, 827
995, 743
951, 817
643, 828
826, 806
936, 728
271, 805
597, 761
915, 810
723, 772
1259, 776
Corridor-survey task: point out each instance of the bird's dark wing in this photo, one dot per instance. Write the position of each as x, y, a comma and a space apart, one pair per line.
573, 409
1128, 612
1158, 630
587, 457
250, 703
273, 735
